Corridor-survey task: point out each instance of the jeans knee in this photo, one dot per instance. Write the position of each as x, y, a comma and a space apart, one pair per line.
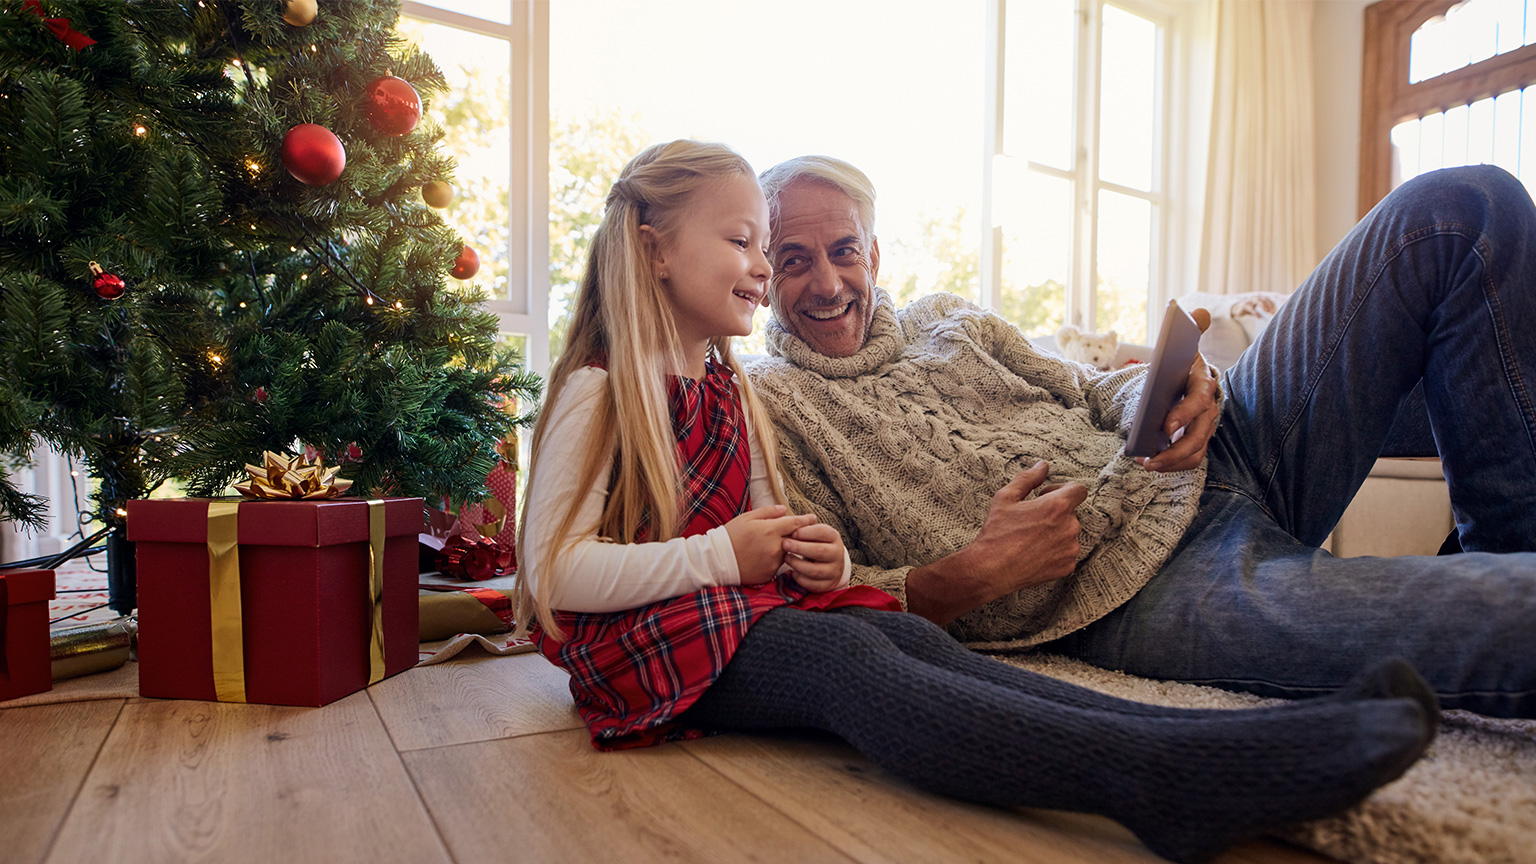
1485, 196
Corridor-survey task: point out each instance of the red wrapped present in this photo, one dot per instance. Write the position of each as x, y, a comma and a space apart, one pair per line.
25, 666
277, 602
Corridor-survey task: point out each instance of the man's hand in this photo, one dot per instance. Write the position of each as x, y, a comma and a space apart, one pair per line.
815, 557
1025, 541
758, 536
1196, 414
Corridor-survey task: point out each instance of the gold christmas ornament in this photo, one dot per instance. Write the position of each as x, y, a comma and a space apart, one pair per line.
301, 13
291, 478
437, 193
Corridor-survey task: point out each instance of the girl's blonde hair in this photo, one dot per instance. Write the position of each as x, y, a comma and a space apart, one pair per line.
624, 320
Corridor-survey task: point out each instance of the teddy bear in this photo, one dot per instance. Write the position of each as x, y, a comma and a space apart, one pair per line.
1095, 349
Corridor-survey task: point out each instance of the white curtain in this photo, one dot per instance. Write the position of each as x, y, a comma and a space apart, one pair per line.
1260, 209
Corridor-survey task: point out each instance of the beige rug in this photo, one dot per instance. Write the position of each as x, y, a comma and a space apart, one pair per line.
1470, 800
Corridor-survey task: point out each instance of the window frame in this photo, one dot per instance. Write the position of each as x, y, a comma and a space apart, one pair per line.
1176, 161
525, 310
1387, 99
1082, 279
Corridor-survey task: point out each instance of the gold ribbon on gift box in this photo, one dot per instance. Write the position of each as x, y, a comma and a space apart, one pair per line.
224, 577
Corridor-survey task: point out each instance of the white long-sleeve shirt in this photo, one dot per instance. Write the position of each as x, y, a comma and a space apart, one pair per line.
602, 576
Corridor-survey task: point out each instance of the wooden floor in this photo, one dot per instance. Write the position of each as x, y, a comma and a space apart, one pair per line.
479, 760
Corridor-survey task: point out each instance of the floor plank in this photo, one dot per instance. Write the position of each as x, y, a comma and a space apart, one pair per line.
475, 699
201, 781
847, 800
45, 752
871, 816
558, 800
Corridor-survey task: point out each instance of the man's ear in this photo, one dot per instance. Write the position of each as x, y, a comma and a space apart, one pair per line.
874, 260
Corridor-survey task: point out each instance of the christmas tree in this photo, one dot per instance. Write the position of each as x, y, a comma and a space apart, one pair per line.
213, 242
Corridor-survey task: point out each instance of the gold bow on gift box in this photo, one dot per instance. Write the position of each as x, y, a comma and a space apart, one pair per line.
506, 448
291, 478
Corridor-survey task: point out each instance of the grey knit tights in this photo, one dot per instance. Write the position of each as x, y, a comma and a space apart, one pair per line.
1188, 783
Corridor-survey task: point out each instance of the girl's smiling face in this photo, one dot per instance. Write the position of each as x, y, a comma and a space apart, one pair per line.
714, 263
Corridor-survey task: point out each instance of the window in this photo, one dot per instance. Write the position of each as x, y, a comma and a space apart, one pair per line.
893, 87
493, 53
1014, 166
1074, 228
1447, 84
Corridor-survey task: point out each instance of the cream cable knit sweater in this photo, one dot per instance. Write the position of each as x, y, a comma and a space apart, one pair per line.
902, 445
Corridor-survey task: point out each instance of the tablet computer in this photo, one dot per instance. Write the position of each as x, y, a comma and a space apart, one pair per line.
1172, 357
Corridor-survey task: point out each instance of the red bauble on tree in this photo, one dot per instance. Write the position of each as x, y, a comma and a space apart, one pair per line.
109, 286
313, 154
393, 106
466, 265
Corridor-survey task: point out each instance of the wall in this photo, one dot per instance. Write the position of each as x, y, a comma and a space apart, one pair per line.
1338, 31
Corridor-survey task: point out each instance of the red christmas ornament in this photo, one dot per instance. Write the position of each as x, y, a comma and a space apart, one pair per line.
393, 106
313, 154
466, 265
108, 285
262, 395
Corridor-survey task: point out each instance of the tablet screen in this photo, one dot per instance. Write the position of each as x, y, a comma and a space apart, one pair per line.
1172, 358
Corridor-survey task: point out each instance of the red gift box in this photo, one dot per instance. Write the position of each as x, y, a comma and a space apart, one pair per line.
25, 666
305, 620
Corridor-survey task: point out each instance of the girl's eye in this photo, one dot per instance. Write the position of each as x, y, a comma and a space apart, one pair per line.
740, 243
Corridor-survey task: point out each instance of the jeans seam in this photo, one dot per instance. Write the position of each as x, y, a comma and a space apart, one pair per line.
1238, 490
1502, 340
1288, 425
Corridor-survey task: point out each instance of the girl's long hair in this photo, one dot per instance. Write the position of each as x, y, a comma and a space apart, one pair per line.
624, 320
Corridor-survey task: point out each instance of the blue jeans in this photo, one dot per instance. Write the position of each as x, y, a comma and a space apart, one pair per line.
1436, 285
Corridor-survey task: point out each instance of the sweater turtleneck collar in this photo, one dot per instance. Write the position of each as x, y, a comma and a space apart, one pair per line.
881, 348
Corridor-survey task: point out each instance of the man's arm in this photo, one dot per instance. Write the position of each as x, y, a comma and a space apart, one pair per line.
1110, 396
1028, 539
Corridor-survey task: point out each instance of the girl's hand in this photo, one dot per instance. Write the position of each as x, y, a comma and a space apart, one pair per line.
815, 557
758, 538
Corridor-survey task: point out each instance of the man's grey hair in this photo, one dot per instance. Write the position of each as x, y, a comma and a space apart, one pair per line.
821, 169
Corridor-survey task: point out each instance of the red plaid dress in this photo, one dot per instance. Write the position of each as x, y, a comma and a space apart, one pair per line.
634, 672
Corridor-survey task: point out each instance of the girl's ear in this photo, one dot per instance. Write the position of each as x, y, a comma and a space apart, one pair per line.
653, 252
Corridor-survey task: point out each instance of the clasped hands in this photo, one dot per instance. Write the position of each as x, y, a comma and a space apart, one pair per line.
767, 539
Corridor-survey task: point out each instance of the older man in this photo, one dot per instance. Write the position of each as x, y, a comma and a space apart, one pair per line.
1201, 564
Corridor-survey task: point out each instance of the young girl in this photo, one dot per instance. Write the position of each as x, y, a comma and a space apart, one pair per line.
666, 575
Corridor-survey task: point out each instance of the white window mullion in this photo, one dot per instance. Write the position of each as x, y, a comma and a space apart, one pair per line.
1158, 293
1080, 305
530, 161
990, 265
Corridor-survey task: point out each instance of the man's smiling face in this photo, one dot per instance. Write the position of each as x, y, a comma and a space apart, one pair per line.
824, 269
